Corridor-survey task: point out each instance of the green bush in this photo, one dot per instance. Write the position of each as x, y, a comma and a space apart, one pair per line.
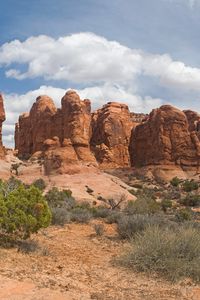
56, 198
165, 204
40, 184
183, 215
190, 185
174, 254
175, 181
191, 200
23, 211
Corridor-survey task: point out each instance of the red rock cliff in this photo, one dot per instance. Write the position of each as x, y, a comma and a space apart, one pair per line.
111, 128
165, 138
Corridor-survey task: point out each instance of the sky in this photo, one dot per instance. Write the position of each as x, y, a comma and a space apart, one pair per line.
140, 52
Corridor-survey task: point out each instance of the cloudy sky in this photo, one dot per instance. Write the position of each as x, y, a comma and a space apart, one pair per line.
141, 52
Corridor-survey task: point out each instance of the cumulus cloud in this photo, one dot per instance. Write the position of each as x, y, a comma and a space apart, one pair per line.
110, 69
83, 57
88, 58
16, 104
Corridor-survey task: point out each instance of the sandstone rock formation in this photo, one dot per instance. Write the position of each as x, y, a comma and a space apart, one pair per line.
63, 135
166, 138
2, 119
111, 130
193, 120
111, 137
72, 134
77, 124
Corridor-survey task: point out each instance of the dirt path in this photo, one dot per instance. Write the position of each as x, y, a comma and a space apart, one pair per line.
75, 264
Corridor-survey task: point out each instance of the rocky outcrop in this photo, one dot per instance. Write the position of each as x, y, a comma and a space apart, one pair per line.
165, 138
193, 120
77, 124
62, 135
111, 137
2, 119
100, 138
111, 130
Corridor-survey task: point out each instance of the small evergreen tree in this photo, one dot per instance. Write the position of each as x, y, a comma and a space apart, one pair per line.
23, 212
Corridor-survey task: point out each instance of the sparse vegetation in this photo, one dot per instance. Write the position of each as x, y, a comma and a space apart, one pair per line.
175, 181
183, 214
190, 185
166, 204
191, 200
100, 212
129, 226
28, 246
40, 184
142, 206
80, 215
99, 229
174, 254
60, 203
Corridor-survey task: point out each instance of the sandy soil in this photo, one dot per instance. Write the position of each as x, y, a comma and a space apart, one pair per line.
73, 263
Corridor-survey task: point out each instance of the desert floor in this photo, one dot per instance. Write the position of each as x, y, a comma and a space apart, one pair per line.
73, 263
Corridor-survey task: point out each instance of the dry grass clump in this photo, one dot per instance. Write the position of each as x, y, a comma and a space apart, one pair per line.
174, 254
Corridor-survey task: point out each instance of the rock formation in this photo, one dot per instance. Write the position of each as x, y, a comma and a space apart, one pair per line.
2, 119
166, 138
111, 137
77, 124
111, 130
63, 135
193, 120
72, 134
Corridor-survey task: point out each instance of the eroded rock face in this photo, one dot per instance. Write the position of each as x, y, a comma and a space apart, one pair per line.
62, 134
2, 119
77, 124
165, 139
193, 120
111, 130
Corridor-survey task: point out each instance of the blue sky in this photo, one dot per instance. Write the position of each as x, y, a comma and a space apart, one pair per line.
144, 53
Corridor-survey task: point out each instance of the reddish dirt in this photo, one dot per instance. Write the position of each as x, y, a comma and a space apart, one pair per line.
73, 263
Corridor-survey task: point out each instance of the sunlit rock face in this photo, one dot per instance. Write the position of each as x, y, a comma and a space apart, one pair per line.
166, 138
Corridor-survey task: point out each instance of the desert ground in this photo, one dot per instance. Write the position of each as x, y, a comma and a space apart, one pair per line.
72, 263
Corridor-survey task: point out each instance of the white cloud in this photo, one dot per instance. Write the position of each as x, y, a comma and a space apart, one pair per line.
83, 57
109, 68
91, 59
15, 104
